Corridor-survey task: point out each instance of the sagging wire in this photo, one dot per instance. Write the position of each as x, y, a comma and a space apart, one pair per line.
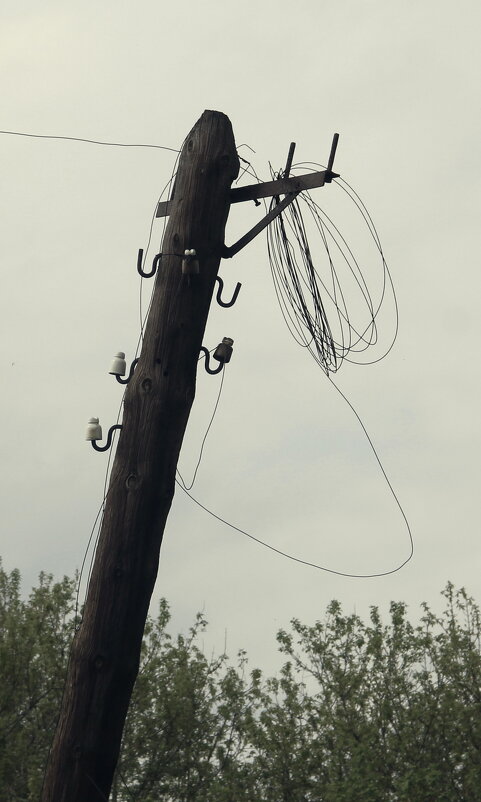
90, 141
314, 565
292, 288
309, 563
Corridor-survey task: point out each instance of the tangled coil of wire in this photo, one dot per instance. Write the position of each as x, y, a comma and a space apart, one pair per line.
303, 295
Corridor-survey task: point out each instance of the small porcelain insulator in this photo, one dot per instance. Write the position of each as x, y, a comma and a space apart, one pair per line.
223, 352
94, 430
190, 265
118, 366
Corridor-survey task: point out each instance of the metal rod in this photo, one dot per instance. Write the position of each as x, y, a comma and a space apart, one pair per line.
290, 156
332, 154
227, 253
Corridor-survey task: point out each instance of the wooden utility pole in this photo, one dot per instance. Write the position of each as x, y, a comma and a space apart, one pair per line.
106, 650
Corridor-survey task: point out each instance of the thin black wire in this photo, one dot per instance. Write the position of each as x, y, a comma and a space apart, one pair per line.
87, 549
245, 145
105, 494
90, 141
299, 288
154, 215
387, 278
205, 435
317, 566
92, 781
330, 353
131, 794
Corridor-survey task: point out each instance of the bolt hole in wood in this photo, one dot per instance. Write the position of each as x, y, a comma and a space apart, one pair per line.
131, 484
147, 385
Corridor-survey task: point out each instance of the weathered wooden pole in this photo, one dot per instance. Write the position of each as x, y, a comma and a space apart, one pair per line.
106, 650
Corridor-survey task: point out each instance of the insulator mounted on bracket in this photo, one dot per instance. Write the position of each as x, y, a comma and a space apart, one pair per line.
222, 354
119, 365
94, 430
118, 368
94, 433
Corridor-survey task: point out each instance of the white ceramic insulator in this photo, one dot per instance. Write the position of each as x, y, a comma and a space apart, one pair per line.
94, 430
118, 366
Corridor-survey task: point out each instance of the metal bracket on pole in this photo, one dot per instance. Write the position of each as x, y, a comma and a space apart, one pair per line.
109, 439
290, 187
220, 288
228, 252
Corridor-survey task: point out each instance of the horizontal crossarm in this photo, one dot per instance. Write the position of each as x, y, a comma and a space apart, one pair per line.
282, 186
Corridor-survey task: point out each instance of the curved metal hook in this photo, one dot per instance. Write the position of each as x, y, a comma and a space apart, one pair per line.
210, 370
131, 373
109, 439
220, 290
155, 264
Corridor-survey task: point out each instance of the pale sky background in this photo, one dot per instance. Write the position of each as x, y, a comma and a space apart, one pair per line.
286, 459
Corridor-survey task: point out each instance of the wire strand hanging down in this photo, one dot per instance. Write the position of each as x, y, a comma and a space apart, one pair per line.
304, 296
308, 563
199, 460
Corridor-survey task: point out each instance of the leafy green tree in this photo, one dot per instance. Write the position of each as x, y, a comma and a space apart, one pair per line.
185, 736
371, 712
363, 711
35, 637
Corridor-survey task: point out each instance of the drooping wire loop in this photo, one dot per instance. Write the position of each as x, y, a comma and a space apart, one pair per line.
318, 309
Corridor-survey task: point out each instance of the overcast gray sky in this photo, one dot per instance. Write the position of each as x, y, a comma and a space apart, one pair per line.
286, 458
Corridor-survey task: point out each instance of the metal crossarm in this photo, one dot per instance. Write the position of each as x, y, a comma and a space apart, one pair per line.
290, 187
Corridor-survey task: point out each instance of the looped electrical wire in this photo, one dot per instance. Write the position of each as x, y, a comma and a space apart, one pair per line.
304, 295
